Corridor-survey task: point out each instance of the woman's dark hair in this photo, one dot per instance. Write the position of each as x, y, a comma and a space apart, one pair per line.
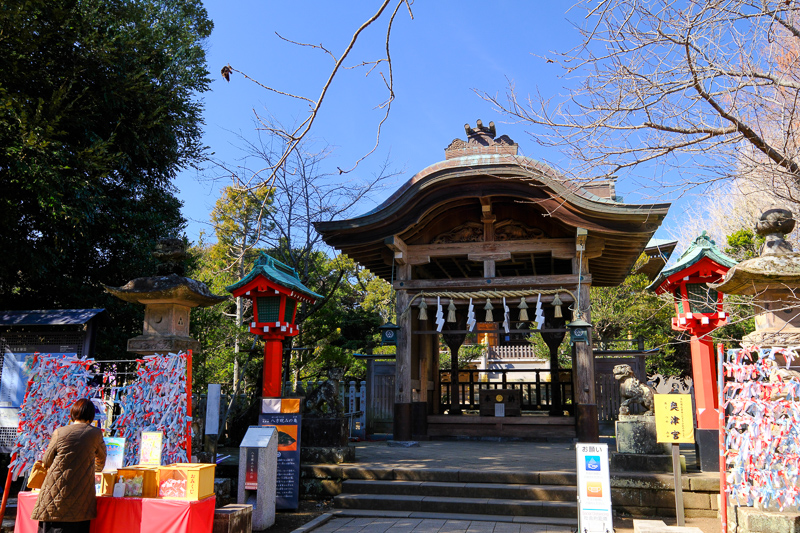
83, 410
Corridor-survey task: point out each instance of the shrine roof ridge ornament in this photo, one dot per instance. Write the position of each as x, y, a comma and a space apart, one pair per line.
481, 140
275, 271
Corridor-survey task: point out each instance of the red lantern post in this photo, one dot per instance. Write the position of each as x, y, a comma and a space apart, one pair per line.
698, 311
275, 291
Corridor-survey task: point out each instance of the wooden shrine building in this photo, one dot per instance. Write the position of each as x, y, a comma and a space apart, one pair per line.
483, 225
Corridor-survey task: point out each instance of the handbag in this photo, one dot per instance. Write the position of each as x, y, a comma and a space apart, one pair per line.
38, 473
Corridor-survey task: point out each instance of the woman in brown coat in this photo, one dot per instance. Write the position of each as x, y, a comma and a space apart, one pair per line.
66, 501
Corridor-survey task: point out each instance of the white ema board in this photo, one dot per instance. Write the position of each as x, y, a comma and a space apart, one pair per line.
594, 489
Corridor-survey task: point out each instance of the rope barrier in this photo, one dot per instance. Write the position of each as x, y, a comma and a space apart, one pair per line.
486, 294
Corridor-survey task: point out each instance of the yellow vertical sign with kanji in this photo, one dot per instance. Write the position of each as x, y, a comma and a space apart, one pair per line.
674, 420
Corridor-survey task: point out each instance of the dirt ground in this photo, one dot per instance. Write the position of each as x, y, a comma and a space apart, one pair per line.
288, 521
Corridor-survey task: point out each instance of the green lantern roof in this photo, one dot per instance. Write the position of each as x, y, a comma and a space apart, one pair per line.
702, 246
277, 272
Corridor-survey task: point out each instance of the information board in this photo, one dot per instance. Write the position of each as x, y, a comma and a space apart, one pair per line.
674, 421
287, 424
594, 489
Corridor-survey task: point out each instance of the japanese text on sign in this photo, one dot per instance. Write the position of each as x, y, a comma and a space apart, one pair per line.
674, 420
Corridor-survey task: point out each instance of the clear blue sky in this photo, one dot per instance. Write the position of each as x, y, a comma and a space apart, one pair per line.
449, 49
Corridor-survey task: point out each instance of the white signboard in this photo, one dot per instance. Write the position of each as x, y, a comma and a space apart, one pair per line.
594, 489
212, 408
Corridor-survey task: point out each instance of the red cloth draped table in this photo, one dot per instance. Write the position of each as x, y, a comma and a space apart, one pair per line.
133, 515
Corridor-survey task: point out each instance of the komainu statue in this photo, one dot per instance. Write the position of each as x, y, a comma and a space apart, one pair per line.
633, 391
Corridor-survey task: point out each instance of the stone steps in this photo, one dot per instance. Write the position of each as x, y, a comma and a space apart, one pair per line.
543, 497
456, 505
561, 493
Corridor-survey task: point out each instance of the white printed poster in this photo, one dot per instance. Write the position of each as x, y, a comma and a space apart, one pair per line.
594, 489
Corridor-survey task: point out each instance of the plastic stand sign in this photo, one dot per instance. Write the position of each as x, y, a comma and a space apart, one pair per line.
594, 489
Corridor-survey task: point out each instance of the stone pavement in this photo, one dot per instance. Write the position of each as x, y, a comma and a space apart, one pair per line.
329, 523
480, 455
472, 455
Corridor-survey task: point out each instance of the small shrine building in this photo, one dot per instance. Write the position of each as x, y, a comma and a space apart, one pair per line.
488, 226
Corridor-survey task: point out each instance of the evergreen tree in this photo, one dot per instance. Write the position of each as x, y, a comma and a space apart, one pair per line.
99, 109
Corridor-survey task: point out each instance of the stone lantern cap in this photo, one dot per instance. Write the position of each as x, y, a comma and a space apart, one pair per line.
166, 289
778, 266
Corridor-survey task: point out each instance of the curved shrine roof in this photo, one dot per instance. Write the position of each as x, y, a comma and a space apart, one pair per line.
450, 194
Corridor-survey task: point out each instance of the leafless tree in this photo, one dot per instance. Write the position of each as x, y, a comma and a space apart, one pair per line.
709, 88
293, 137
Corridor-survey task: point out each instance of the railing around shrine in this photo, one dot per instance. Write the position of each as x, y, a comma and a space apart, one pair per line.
536, 392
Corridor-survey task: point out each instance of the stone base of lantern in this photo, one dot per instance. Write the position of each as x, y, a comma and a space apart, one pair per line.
707, 449
161, 344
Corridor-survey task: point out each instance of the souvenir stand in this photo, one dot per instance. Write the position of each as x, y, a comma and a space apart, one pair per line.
156, 400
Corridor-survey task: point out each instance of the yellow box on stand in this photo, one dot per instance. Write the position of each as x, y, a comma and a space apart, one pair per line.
149, 475
104, 482
186, 481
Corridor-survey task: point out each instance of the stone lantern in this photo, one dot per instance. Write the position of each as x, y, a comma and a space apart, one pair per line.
698, 311
168, 297
275, 290
772, 279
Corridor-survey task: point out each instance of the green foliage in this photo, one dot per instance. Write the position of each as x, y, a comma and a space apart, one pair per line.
98, 111
744, 244
630, 310
345, 322
222, 330
467, 354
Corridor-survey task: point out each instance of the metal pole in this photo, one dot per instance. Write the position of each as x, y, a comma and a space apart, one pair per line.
676, 471
723, 481
6, 489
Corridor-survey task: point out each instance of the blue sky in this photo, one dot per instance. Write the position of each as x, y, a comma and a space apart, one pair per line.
439, 58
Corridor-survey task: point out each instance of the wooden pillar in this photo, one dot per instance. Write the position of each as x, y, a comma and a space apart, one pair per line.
553, 341
433, 342
586, 423
402, 378
454, 342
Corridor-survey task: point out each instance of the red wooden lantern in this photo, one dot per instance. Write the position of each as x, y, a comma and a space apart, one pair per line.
276, 291
698, 311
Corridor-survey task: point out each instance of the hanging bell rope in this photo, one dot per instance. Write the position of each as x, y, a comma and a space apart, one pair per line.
451, 311
557, 304
523, 309
423, 310
488, 295
488, 308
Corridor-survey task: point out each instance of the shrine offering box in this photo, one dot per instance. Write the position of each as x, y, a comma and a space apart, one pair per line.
186, 481
149, 475
104, 482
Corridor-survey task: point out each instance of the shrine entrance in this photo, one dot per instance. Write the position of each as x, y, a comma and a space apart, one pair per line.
488, 242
